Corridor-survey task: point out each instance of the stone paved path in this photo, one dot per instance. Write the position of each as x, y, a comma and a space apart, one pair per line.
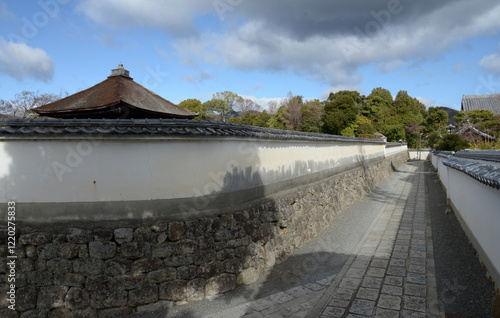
392, 273
389, 274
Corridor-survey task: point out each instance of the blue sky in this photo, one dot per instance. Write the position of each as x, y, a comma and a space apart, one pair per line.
435, 50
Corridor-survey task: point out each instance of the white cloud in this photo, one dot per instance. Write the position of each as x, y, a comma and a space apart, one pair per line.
324, 40
491, 63
5, 13
22, 61
426, 101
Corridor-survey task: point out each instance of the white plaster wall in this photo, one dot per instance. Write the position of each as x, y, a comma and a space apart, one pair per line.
416, 154
389, 151
479, 207
121, 169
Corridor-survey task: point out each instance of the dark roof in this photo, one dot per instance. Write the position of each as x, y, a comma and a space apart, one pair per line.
485, 172
158, 127
112, 97
482, 102
469, 127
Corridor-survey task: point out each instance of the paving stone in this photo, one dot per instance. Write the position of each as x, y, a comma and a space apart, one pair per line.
413, 314
396, 271
338, 303
280, 298
326, 281
401, 248
261, 304
367, 293
314, 287
362, 307
355, 316
417, 254
351, 283
414, 303
394, 280
415, 290
375, 272
381, 255
392, 290
384, 249
416, 278
343, 293
397, 262
298, 291
397, 254
355, 272
419, 269
418, 242
382, 263
389, 302
418, 261
333, 311
360, 264
371, 282
418, 247
386, 313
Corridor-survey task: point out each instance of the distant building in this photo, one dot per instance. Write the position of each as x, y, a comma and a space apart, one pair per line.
116, 97
482, 102
472, 134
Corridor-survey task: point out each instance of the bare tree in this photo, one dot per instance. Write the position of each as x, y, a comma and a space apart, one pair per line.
273, 107
293, 114
23, 103
245, 105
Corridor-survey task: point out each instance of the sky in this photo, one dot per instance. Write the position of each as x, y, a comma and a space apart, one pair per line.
435, 50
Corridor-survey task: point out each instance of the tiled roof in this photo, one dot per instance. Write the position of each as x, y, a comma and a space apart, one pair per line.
470, 127
158, 127
114, 91
482, 102
482, 165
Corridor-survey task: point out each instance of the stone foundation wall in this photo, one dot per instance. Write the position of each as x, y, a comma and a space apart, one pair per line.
117, 268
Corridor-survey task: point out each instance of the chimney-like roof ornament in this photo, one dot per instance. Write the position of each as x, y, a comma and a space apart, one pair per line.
120, 71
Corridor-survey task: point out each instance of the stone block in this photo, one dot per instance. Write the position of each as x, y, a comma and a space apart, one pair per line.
79, 236
187, 272
85, 313
142, 234
60, 313
48, 251
176, 230
162, 275
135, 250
220, 284
8, 313
157, 238
177, 261
115, 312
26, 298
100, 282
31, 252
145, 295
102, 235
248, 276
160, 226
59, 266
88, 267
145, 265
102, 250
362, 307
224, 254
204, 257
128, 282
36, 313
25, 265
222, 235
77, 298
69, 279
43, 278
123, 235
175, 290
195, 289
51, 297
163, 251
83, 251
117, 266
233, 266
210, 270
68, 250
108, 298
185, 247
159, 306
38, 238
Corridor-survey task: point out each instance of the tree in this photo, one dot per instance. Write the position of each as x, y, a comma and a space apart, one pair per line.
23, 103
245, 105
273, 107
452, 142
262, 119
222, 104
340, 111
436, 120
292, 113
195, 106
312, 116
278, 119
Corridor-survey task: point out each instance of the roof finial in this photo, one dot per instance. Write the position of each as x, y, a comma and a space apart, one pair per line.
120, 71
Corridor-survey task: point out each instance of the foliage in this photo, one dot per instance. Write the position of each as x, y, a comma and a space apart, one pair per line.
340, 111
452, 142
222, 105
195, 106
312, 116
